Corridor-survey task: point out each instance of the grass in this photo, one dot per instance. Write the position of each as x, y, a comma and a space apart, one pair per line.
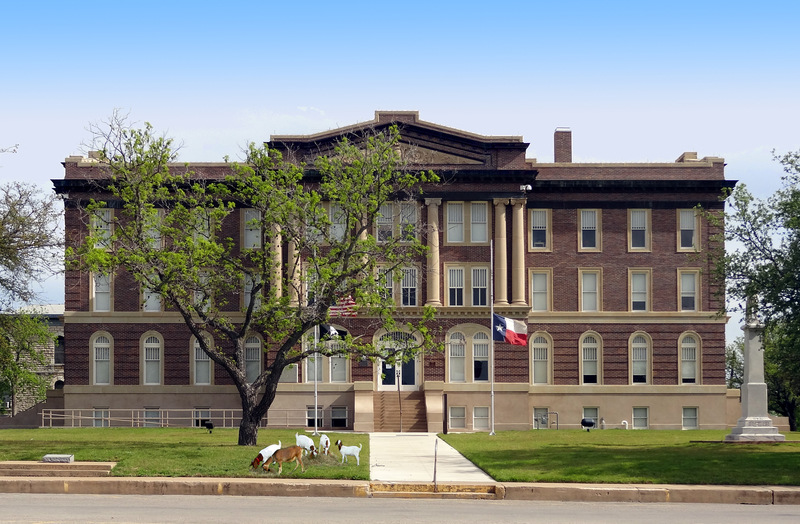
618, 456
610, 456
176, 452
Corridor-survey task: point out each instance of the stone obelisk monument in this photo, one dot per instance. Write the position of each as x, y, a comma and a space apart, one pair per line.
754, 424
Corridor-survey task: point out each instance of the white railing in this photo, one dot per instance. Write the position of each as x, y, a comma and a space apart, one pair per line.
165, 418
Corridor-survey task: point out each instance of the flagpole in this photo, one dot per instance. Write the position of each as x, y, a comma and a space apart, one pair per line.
491, 325
316, 363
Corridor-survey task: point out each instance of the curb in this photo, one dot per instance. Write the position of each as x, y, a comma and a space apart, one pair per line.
757, 495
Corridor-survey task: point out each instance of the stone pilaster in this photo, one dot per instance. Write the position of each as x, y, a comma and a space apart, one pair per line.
518, 253
500, 253
434, 270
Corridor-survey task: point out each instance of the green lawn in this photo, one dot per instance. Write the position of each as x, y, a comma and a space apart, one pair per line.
618, 456
176, 452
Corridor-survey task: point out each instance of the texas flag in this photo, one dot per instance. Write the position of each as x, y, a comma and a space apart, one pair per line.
509, 330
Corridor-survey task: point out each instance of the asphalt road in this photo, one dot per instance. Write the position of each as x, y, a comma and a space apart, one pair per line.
91, 509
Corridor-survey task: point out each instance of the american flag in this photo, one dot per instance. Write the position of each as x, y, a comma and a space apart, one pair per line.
344, 307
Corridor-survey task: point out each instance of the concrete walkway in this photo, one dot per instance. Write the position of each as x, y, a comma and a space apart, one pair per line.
417, 457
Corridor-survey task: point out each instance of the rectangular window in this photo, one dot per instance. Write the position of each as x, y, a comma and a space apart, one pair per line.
101, 417
540, 232
455, 284
590, 290
102, 361
310, 416
101, 224
541, 420
688, 360
639, 364
385, 223
249, 284
409, 286
152, 418
690, 418
639, 234
102, 293
151, 301
589, 229
338, 369
252, 358
314, 367
480, 417
201, 416
457, 361
458, 417
338, 416
589, 364
640, 416
640, 287
687, 229
202, 366
540, 287
252, 228
479, 223
289, 374
480, 357
455, 222
688, 291
386, 280
480, 286
408, 221
592, 414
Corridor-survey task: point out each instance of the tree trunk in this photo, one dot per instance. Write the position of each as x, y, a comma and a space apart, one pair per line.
248, 431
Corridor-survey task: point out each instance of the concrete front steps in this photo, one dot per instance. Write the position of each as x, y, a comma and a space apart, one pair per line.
28, 468
428, 490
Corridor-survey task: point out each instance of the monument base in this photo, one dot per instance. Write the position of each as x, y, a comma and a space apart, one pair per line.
756, 429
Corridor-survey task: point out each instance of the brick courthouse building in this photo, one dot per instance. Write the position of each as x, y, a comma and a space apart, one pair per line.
599, 260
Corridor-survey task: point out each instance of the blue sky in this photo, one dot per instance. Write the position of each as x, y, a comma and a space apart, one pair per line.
635, 81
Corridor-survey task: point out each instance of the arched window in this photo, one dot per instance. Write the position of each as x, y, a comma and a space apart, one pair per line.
480, 357
540, 351
640, 359
102, 359
151, 352
590, 359
689, 354
458, 349
252, 357
202, 365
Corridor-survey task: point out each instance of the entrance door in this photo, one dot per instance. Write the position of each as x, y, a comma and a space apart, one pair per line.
406, 374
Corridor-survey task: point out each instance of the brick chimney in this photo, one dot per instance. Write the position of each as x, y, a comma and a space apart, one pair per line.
563, 145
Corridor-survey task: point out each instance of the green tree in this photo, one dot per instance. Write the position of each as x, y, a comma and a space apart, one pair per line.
168, 235
23, 341
762, 274
734, 363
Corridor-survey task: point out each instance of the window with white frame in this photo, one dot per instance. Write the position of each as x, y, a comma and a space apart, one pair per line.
152, 360
479, 223
640, 418
385, 223
480, 286
639, 231
589, 229
480, 417
202, 366
338, 416
640, 290
397, 220
204, 229
540, 289
409, 287
101, 226
687, 230
540, 348
101, 351
310, 414
541, 418
458, 417
201, 416
590, 289
455, 286
101, 417
252, 358
152, 229
252, 228
689, 420
688, 359
458, 352
249, 283
455, 222
338, 219
151, 300
201, 295
590, 362
592, 413
640, 350
408, 221
338, 368
688, 289
540, 229
152, 417
480, 357
101, 295
289, 374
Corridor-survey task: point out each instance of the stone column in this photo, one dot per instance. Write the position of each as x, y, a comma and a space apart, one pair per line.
754, 424
293, 267
518, 253
433, 252
500, 253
